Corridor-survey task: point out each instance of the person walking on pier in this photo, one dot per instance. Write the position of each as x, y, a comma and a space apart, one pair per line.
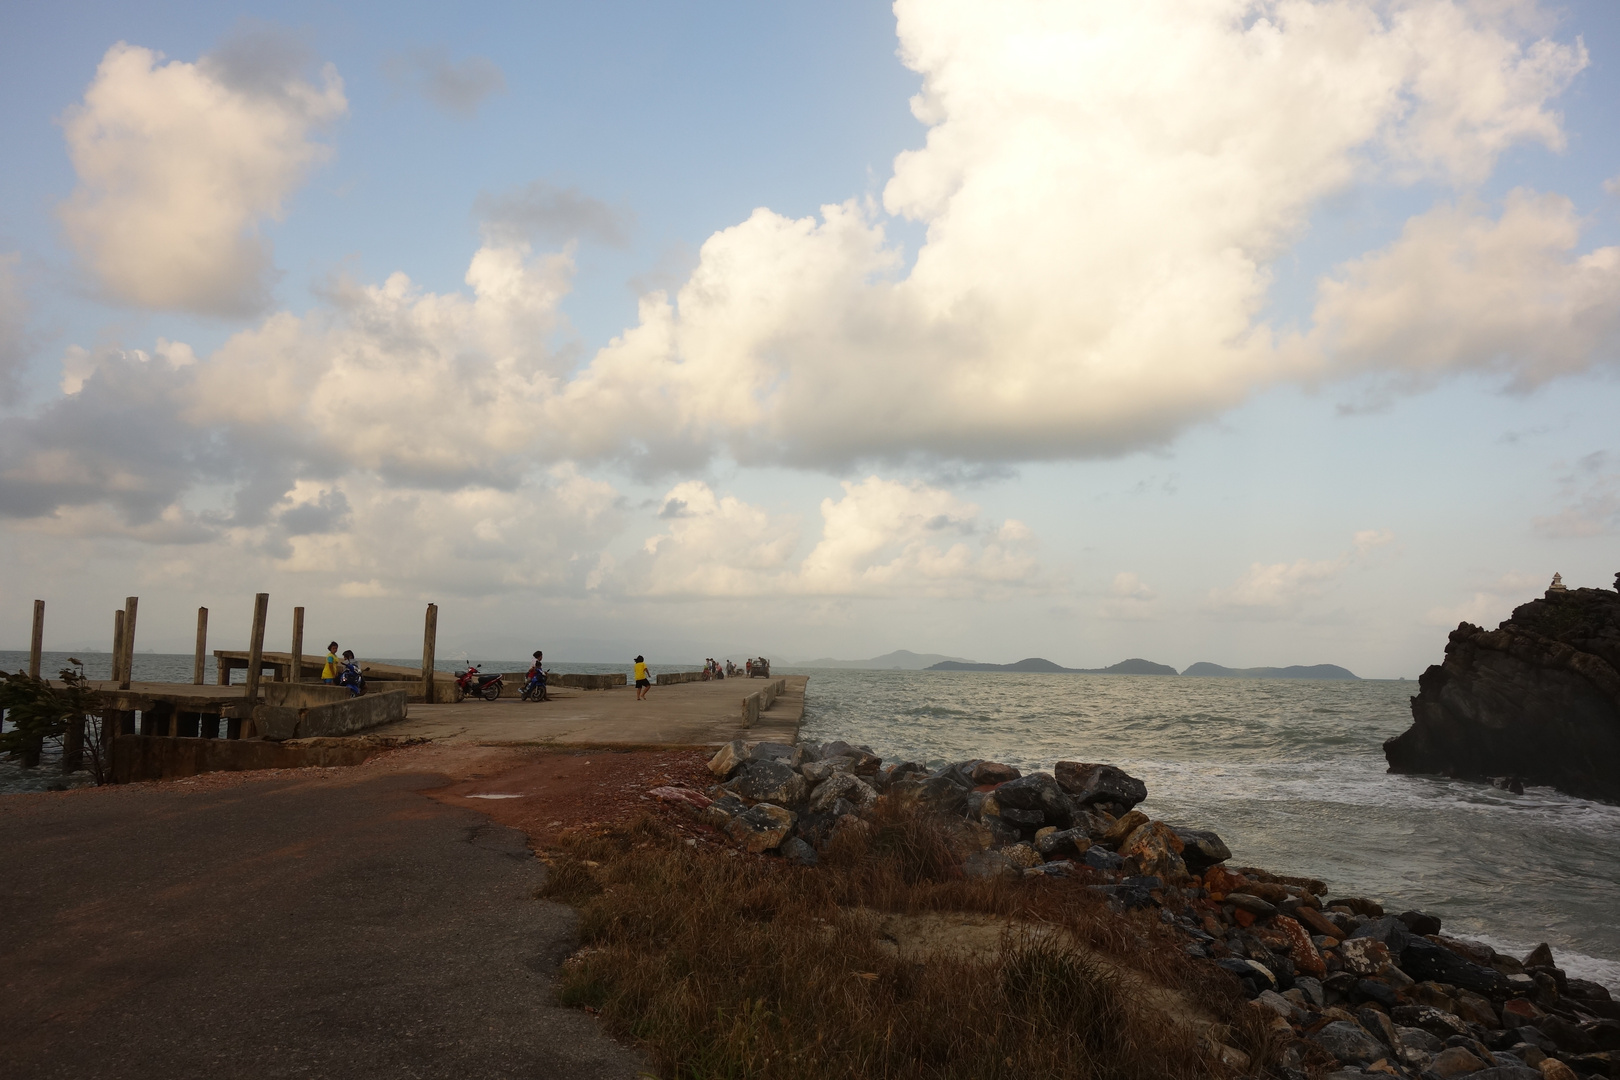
643, 681
329, 673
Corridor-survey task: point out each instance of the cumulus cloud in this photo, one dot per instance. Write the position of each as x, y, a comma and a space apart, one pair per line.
881, 538
1104, 187
178, 164
1462, 291
1278, 590
539, 212
1129, 599
456, 86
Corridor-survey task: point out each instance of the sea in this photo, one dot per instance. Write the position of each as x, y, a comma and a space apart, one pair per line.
1290, 773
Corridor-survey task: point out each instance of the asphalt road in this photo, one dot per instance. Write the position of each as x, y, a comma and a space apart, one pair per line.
340, 926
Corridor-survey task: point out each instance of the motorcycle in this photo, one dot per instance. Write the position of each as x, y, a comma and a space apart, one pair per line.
534, 689
349, 675
474, 683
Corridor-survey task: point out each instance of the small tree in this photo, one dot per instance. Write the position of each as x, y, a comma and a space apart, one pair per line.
40, 712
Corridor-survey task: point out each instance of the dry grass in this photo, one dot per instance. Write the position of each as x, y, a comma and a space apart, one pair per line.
722, 965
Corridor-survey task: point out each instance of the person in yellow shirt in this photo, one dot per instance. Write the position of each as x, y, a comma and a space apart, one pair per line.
330, 671
643, 680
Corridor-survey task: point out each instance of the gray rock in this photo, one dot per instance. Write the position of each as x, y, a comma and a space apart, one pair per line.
1024, 819
1251, 903
960, 773
1420, 923
1091, 784
1348, 1042
1038, 791
728, 759
791, 756
1422, 959
1442, 1025
761, 827
1419, 1039
936, 794
1063, 843
795, 850
1390, 930
1312, 989
1203, 849
994, 772
845, 786
1256, 977
817, 771
865, 762
768, 782
1102, 859
1278, 1004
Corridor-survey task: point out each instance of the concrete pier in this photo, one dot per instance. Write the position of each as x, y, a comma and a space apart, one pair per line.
688, 714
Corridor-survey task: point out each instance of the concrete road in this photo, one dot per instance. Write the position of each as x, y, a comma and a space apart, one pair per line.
686, 714
336, 926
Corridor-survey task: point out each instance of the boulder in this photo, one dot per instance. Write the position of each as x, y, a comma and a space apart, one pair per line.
1063, 843
1102, 859
791, 756
1255, 977
719, 813
1455, 1061
1155, 849
935, 794
1040, 792
1123, 827
1442, 1025
1300, 947
863, 761
1423, 959
762, 827
1420, 923
960, 773
1252, 904
728, 759
768, 782
844, 786
1360, 905
1389, 931
1363, 956
1537, 698
1104, 785
796, 850
1022, 856
1201, 849
994, 772
1540, 956
817, 771
1023, 819
1347, 1042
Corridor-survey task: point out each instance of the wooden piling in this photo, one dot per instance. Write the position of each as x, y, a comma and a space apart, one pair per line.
118, 647
261, 609
37, 644
297, 674
126, 671
198, 662
430, 642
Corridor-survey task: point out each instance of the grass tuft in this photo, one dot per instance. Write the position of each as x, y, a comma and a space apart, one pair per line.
727, 966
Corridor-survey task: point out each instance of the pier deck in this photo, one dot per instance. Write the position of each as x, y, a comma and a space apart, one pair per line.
687, 714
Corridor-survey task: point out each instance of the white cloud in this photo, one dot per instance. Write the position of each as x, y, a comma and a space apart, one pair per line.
1103, 187
1278, 590
179, 163
881, 538
1460, 291
1129, 599
456, 86
1491, 602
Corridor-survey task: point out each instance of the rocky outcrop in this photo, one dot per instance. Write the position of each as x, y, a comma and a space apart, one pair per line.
1537, 699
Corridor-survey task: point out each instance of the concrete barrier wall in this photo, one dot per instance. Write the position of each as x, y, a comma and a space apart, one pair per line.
589, 682
303, 695
343, 717
151, 757
761, 700
669, 678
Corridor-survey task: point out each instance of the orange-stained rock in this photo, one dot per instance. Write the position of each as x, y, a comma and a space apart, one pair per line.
1317, 922
1220, 881
1306, 958
1156, 850
1242, 918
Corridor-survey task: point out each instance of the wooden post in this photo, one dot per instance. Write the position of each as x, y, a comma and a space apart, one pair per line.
261, 608
126, 672
298, 646
118, 646
430, 641
198, 662
36, 646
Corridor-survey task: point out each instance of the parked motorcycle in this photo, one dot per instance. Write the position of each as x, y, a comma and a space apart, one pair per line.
474, 683
349, 675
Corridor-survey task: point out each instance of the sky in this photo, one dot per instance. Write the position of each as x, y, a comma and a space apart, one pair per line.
1259, 332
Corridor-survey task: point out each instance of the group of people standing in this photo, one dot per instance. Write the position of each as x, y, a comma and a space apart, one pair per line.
712, 669
344, 671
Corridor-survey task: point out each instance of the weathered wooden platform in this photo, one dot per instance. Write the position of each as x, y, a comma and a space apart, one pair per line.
688, 714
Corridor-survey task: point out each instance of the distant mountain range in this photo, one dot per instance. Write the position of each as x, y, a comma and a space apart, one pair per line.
1137, 666
899, 660
1035, 663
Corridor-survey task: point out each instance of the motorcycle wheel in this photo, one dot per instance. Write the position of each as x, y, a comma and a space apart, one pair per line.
491, 692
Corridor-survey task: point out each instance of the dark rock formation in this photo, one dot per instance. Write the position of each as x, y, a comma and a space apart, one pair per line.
1536, 698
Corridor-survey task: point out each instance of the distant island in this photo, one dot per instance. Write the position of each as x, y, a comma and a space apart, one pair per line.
1134, 666
1138, 666
1314, 671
